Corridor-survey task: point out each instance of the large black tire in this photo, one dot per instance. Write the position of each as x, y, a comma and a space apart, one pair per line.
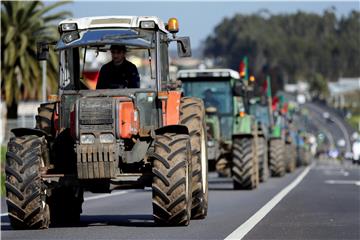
244, 163
276, 155
192, 115
290, 158
25, 191
45, 118
171, 186
65, 205
263, 160
307, 158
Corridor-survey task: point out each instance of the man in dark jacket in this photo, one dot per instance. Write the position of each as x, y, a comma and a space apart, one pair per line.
119, 73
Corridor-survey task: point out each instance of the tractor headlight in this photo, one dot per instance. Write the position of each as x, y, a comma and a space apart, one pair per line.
69, 37
66, 27
87, 139
107, 138
147, 24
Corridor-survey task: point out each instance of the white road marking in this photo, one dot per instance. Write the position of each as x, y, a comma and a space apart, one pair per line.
336, 172
108, 195
4, 214
96, 197
357, 183
246, 227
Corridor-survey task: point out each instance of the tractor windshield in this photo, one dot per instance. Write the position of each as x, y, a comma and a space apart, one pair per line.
83, 53
261, 113
98, 37
216, 94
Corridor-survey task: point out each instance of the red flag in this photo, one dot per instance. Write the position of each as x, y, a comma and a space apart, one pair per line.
264, 87
275, 102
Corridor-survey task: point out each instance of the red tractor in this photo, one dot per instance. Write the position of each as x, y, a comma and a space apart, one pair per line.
101, 140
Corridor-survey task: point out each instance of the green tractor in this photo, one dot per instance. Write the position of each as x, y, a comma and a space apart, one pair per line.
271, 133
232, 132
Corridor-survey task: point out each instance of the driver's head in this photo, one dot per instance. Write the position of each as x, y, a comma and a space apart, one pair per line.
118, 53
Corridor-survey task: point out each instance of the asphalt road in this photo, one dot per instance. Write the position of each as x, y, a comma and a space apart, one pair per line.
325, 205
335, 127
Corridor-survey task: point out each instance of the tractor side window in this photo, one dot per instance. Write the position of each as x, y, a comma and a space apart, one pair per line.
164, 63
69, 69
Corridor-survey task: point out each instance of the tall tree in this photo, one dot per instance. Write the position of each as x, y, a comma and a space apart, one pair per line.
290, 47
24, 23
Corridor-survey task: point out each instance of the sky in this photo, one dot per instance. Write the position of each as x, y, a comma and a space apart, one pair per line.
198, 19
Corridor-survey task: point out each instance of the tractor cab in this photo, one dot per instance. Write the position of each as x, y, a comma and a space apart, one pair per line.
215, 87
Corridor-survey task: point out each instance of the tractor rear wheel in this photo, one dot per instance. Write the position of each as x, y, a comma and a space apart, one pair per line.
171, 186
45, 117
291, 158
263, 160
192, 115
25, 191
277, 162
244, 169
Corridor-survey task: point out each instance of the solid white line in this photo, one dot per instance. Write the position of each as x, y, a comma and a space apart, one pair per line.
246, 227
95, 197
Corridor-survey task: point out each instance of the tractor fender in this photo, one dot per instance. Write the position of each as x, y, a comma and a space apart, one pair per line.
180, 129
19, 132
241, 135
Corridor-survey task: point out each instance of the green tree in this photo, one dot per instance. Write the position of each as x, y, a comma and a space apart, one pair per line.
318, 86
289, 47
25, 23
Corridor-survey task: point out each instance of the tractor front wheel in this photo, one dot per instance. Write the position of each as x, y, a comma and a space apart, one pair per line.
244, 169
25, 191
171, 186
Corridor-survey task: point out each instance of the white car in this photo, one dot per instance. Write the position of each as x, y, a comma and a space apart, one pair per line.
326, 115
356, 151
341, 142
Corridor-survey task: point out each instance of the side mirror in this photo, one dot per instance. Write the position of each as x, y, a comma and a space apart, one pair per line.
183, 47
42, 51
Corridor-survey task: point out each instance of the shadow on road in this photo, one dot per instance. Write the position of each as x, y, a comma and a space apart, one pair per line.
5, 223
221, 184
118, 220
99, 220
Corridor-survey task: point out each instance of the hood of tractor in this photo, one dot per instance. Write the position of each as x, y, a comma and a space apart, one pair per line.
102, 120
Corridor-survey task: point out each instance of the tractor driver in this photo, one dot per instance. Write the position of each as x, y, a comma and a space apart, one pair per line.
210, 100
119, 73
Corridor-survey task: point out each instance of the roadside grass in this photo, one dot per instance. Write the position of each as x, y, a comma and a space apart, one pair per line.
354, 121
2, 168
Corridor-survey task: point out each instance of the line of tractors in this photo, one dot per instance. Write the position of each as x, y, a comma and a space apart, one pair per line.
250, 137
160, 137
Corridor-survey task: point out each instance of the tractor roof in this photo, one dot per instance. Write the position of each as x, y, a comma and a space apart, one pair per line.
113, 22
221, 72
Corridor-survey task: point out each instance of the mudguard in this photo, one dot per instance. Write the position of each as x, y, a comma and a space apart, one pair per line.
19, 132
180, 129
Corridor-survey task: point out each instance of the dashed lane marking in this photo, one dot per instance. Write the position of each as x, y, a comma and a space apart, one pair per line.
357, 183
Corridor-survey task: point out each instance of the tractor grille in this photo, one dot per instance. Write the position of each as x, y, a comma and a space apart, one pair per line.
96, 161
97, 111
